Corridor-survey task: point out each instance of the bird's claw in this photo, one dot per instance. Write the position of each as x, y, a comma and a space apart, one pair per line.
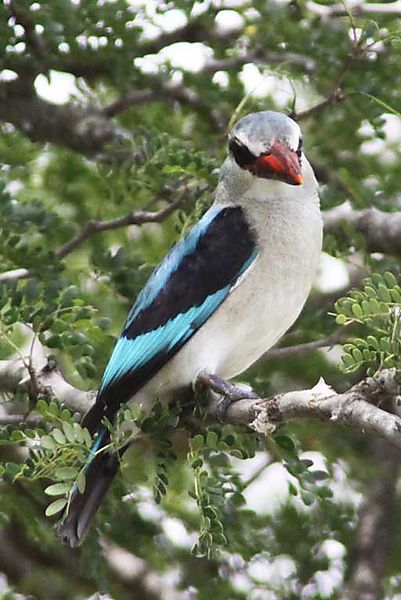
230, 393
234, 395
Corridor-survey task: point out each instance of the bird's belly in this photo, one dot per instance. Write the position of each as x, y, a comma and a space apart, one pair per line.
251, 320
255, 315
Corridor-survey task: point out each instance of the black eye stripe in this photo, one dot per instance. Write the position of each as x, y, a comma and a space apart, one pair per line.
242, 155
299, 149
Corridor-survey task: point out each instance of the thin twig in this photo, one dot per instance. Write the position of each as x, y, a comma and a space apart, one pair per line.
186, 95
334, 97
138, 217
297, 349
358, 9
133, 98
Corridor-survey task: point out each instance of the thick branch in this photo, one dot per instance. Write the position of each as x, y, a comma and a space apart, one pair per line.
85, 130
171, 90
374, 533
382, 231
355, 408
355, 9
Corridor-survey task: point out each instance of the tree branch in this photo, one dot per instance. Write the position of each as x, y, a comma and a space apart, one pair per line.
186, 95
260, 56
335, 338
14, 376
355, 9
355, 408
374, 533
14, 274
334, 97
382, 231
19, 556
130, 99
84, 130
193, 31
137, 217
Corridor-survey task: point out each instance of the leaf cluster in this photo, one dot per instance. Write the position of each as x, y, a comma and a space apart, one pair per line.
217, 488
376, 309
59, 454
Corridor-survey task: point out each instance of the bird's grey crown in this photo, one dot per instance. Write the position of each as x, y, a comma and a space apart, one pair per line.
257, 131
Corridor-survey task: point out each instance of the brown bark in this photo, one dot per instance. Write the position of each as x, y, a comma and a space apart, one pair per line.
375, 528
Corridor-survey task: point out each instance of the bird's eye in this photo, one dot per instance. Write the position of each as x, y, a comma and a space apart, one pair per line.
299, 149
243, 157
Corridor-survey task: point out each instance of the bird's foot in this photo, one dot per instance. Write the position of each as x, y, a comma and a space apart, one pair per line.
229, 392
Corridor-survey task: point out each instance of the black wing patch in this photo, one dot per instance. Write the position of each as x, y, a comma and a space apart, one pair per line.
219, 256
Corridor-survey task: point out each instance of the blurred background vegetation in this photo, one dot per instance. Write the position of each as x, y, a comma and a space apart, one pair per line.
110, 110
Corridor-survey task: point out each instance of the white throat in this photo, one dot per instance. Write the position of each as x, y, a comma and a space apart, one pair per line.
240, 187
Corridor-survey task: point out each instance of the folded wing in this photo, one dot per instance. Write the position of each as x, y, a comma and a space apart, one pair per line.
183, 292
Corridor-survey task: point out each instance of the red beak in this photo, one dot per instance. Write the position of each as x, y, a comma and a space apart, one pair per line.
281, 163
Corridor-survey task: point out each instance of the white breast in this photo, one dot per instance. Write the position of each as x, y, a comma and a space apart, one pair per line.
266, 301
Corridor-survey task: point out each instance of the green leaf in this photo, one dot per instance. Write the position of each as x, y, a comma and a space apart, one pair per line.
47, 442
69, 432
212, 440
58, 436
81, 482
57, 489
357, 311
197, 442
390, 279
79, 433
56, 507
285, 442
384, 293
65, 473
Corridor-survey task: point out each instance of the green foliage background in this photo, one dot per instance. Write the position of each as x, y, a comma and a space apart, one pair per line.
169, 149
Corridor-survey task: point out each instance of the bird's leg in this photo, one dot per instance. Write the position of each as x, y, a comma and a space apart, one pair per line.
230, 393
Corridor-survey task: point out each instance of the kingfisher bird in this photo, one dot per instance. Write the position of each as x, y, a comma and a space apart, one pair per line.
220, 298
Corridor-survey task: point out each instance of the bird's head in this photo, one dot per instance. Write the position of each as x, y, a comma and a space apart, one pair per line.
268, 144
